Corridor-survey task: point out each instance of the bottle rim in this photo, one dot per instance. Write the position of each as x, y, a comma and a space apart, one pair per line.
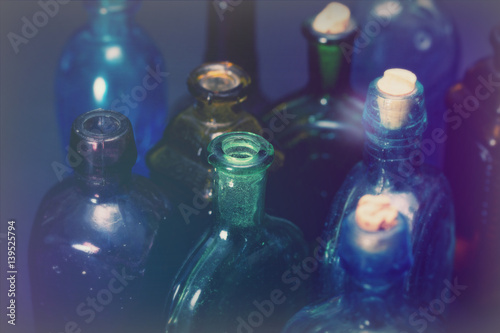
240, 152
222, 81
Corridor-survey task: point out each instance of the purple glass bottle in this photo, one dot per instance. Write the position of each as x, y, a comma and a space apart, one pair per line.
94, 250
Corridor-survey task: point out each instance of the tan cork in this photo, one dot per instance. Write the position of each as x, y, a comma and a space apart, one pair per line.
396, 82
333, 19
375, 212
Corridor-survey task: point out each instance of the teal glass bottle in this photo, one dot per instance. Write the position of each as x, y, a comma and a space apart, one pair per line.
394, 119
318, 128
101, 238
376, 255
235, 279
417, 35
111, 63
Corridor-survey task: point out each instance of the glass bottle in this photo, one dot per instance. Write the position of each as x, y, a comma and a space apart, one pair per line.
377, 260
178, 162
231, 37
416, 35
111, 63
394, 119
95, 236
319, 128
473, 168
236, 279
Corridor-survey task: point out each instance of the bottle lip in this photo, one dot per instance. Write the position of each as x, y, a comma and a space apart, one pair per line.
101, 125
240, 152
329, 39
219, 81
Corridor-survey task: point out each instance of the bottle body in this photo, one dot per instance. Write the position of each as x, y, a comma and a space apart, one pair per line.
111, 63
89, 255
414, 35
472, 165
376, 262
321, 144
237, 278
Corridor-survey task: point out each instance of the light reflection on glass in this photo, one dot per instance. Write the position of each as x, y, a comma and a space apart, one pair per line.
113, 53
106, 216
86, 247
99, 89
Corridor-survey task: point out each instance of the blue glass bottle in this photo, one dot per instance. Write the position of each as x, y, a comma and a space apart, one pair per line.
112, 63
377, 262
98, 242
394, 119
473, 168
412, 34
236, 278
319, 128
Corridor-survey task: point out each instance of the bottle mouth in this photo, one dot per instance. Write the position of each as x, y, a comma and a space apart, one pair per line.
101, 125
219, 81
240, 152
104, 140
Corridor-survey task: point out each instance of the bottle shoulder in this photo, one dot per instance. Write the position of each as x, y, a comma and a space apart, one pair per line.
134, 50
68, 212
422, 195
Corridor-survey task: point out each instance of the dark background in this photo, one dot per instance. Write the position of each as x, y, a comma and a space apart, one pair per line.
29, 139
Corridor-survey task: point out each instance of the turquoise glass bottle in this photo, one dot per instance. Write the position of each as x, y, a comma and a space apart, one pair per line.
473, 168
376, 255
414, 34
394, 119
319, 127
100, 247
111, 63
235, 280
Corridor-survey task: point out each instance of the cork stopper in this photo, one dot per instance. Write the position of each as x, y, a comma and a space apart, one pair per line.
375, 212
333, 19
397, 83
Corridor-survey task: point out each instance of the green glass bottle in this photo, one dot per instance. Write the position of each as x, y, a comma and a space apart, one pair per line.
319, 128
178, 162
236, 279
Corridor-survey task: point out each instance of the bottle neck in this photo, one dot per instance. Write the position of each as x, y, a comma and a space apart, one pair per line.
328, 69
110, 22
231, 36
103, 184
329, 59
393, 159
215, 110
239, 199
